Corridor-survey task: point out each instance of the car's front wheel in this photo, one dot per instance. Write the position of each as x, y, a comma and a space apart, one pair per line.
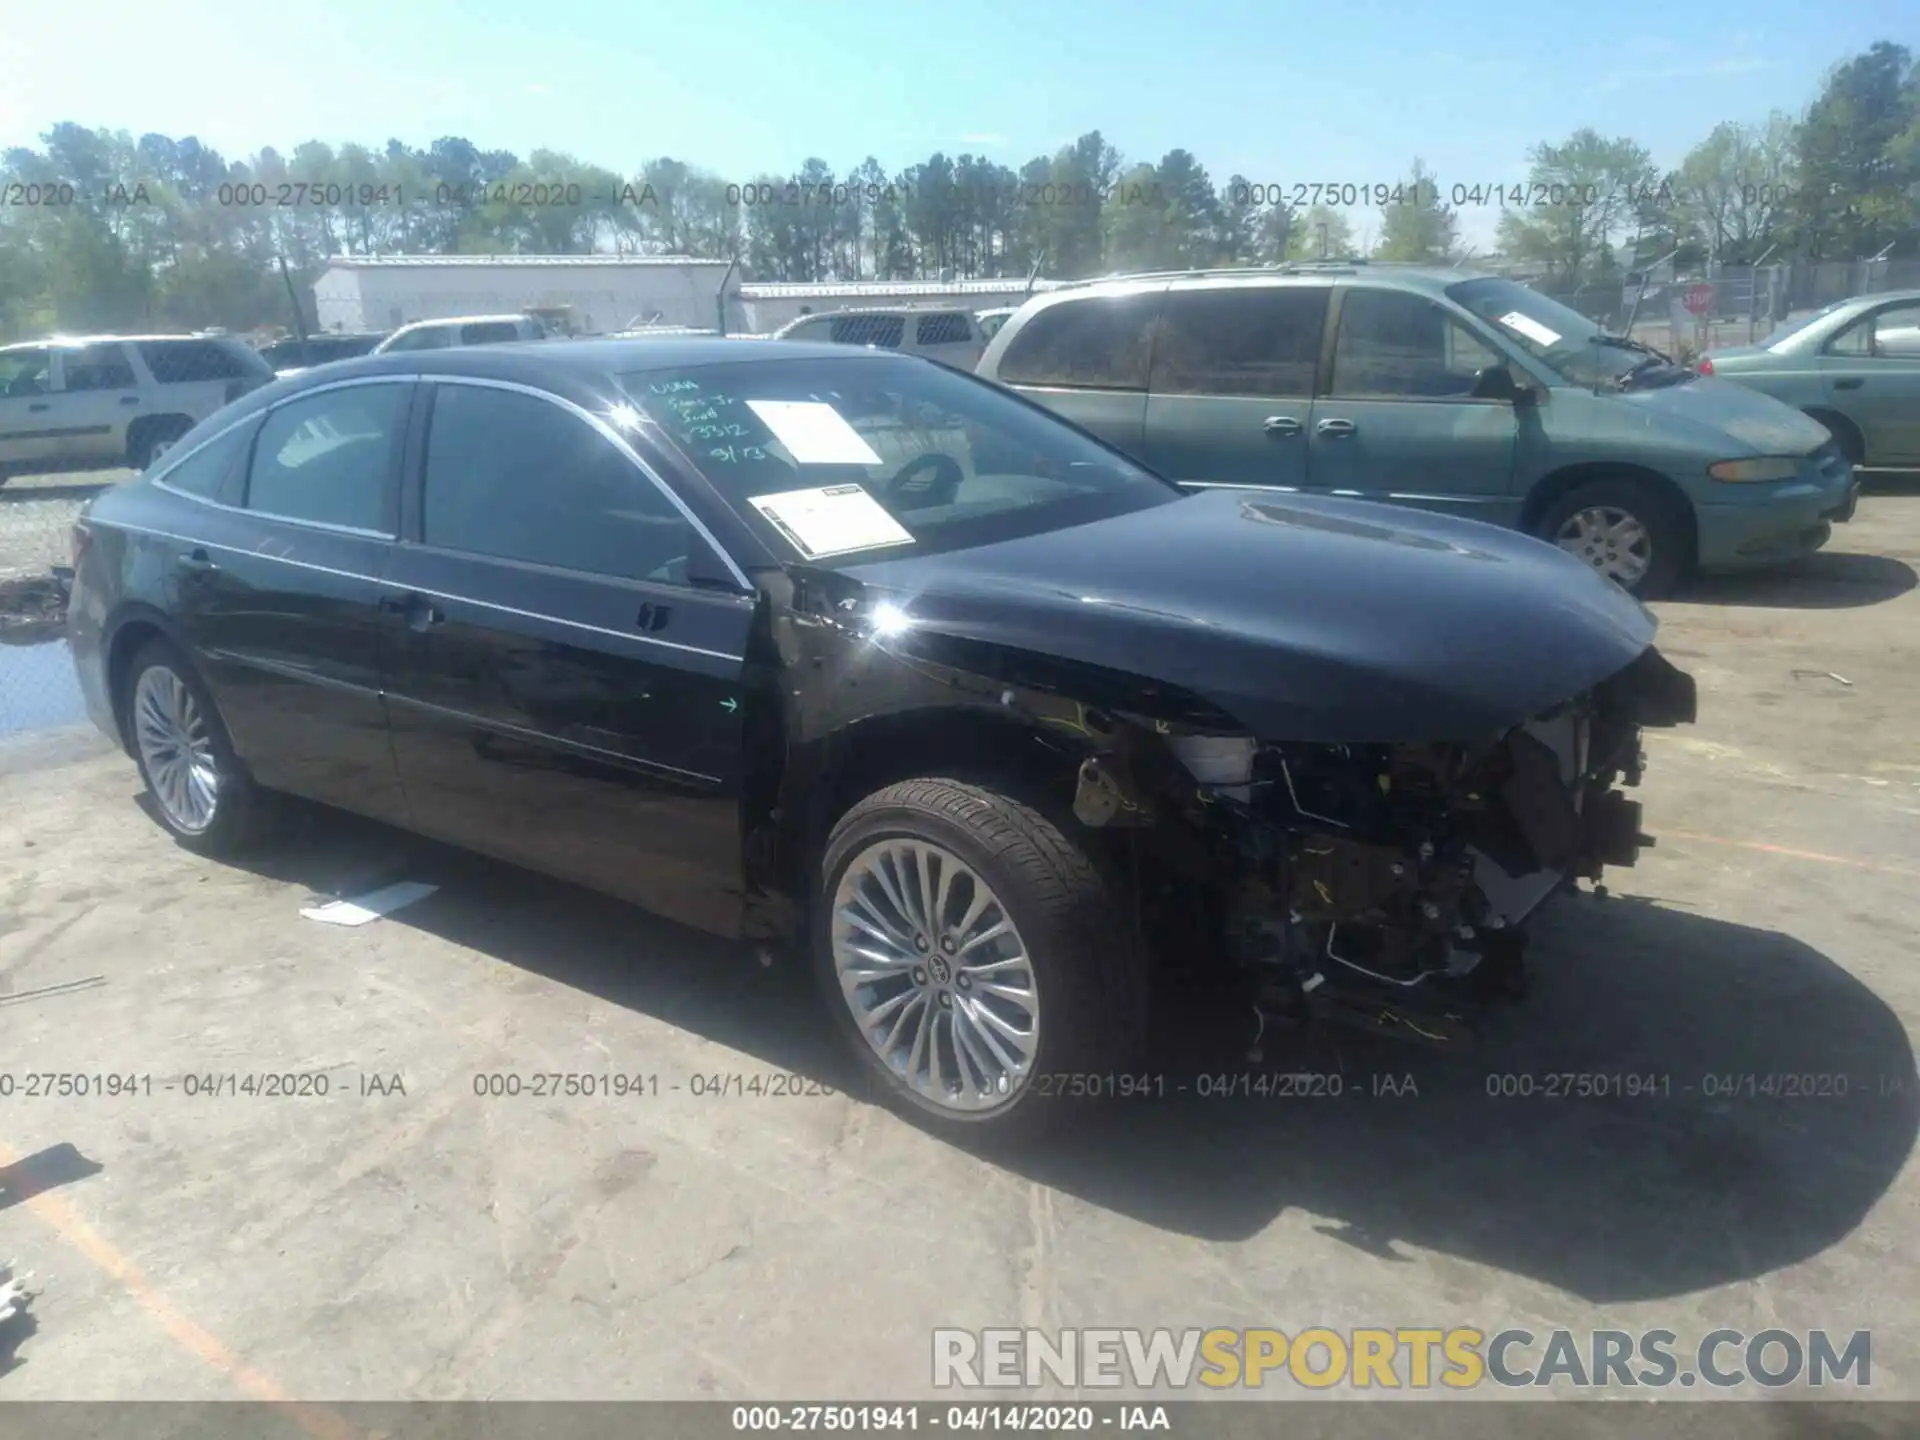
1625, 529
200, 790
975, 959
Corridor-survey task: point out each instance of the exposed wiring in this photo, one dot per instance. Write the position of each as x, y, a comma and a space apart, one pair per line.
1333, 929
1302, 810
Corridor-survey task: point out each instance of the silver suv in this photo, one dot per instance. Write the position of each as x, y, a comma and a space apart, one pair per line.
98, 401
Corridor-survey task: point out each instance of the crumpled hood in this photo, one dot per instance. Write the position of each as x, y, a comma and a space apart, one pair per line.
1305, 618
1767, 425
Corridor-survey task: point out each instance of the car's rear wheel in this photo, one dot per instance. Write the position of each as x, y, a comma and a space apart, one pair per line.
1625, 529
201, 792
975, 959
154, 438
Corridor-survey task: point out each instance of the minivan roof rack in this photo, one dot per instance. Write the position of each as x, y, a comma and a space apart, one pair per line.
1290, 267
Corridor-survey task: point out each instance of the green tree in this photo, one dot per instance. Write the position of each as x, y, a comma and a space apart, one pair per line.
1858, 146
1603, 187
1414, 225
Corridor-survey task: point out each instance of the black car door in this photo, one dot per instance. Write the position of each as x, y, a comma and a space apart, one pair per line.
278, 587
563, 696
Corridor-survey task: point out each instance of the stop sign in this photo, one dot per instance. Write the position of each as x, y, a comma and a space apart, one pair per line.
1699, 299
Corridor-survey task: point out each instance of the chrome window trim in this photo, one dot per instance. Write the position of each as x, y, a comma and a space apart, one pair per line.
606, 432
416, 589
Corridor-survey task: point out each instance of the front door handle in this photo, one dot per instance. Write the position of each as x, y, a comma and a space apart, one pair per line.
1281, 425
198, 562
1335, 427
129, 399
39, 405
1853, 384
653, 617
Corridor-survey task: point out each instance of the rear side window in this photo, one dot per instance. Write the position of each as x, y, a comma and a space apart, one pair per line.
1240, 341
885, 331
183, 362
99, 367
204, 473
329, 458
942, 330
518, 478
429, 337
1099, 343
489, 332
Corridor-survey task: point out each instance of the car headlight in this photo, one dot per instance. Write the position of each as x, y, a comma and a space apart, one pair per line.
1773, 467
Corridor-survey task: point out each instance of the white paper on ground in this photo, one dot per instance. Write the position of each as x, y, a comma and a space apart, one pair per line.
359, 909
814, 432
1530, 327
832, 520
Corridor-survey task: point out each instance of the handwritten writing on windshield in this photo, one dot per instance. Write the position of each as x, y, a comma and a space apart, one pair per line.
699, 421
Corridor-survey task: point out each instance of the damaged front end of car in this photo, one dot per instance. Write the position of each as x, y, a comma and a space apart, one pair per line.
1392, 881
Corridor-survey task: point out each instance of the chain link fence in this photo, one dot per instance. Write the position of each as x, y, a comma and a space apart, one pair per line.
37, 684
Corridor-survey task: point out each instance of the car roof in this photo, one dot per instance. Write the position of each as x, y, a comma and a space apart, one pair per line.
68, 342
462, 320
1407, 275
591, 361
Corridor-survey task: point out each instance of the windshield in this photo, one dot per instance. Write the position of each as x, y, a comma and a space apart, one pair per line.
1790, 328
838, 461
1565, 341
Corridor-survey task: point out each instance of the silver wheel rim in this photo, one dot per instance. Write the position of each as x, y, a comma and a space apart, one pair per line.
936, 975
1609, 539
176, 749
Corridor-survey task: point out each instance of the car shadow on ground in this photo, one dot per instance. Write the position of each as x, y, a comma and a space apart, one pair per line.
1828, 580
1779, 1097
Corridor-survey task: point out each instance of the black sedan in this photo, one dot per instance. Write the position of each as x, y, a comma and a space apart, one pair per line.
855, 654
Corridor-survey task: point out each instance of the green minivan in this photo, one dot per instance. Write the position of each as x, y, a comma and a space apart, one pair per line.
1443, 389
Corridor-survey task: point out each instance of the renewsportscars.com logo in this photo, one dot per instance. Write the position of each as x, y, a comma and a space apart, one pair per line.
1412, 1359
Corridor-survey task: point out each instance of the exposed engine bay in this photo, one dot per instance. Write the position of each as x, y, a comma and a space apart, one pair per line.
1398, 875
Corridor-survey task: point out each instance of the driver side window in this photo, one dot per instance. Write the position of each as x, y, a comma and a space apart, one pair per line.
519, 478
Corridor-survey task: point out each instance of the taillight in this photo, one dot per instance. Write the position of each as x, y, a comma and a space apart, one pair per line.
1704, 367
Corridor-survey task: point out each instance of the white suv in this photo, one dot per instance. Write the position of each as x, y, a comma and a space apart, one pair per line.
458, 330
98, 401
951, 336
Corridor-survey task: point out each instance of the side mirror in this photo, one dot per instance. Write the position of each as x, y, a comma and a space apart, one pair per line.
1496, 382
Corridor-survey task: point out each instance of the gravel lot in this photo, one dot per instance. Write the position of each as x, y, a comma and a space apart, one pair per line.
421, 1240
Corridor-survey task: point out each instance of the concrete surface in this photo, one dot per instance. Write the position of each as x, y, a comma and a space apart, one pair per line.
438, 1244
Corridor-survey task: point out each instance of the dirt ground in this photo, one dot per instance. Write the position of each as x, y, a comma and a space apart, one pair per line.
404, 1236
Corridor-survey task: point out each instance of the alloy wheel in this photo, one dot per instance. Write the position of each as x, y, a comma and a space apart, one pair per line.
176, 747
936, 975
1611, 540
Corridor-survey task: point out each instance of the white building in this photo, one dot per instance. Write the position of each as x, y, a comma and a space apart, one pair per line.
764, 308
604, 292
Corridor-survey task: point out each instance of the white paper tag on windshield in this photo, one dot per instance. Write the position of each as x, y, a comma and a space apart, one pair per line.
832, 520
1530, 327
814, 432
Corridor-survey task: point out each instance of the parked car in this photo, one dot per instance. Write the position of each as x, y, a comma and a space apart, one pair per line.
1469, 394
84, 403
293, 354
462, 330
991, 320
1853, 366
741, 633
953, 337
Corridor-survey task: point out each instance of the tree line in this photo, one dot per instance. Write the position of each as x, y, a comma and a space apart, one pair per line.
100, 230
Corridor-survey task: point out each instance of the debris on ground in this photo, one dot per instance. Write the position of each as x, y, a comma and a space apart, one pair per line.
1822, 675
359, 909
13, 1291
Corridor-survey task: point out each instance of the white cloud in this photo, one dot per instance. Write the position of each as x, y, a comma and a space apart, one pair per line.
1705, 70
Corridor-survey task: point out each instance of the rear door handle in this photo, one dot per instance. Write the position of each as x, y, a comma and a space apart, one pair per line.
419, 612
653, 617
39, 405
1335, 427
1853, 384
198, 562
1282, 425
129, 399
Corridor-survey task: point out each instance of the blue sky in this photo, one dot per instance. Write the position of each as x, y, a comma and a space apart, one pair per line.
1346, 92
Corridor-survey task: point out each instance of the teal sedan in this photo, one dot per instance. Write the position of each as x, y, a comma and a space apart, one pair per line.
1854, 367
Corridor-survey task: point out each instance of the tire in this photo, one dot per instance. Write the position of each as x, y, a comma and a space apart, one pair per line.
154, 439
1610, 503
1085, 967
159, 683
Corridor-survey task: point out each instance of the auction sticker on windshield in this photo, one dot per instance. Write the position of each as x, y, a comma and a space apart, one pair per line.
832, 520
814, 432
1530, 327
